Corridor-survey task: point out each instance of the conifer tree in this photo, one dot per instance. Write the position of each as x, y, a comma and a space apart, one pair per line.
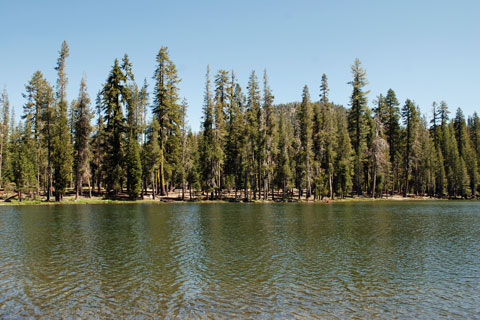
283, 174
410, 119
254, 134
269, 138
193, 164
345, 158
392, 133
474, 129
305, 119
114, 91
4, 134
167, 112
235, 136
39, 99
379, 153
23, 154
465, 150
329, 134
208, 138
186, 164
62, 151
357, 121
152, 154
220, 101
98, 145
82, 115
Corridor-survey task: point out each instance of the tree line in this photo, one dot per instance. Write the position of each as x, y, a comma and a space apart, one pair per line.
248, 147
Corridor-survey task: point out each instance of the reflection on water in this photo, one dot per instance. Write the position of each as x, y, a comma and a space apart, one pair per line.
361, 260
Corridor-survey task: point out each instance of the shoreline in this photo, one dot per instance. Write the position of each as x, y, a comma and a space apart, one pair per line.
100, 200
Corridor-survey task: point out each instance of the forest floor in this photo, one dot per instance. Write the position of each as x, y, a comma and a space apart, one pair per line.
176, 197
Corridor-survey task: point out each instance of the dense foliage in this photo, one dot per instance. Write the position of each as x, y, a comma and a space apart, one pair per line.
247, 148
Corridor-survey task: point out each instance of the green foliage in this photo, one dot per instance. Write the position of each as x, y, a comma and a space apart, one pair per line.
82, 116
167, 112
114, 92
357, 121
246, 144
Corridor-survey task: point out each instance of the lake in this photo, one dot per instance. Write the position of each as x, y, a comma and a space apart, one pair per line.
403, 259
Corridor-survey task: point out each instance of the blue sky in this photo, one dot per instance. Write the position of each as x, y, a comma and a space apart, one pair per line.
424, 50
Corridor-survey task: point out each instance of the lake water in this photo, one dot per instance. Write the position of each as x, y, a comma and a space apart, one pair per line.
363, 260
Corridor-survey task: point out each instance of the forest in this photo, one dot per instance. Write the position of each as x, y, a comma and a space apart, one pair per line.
134, 142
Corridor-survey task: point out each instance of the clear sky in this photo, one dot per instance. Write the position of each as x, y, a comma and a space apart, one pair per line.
424, 50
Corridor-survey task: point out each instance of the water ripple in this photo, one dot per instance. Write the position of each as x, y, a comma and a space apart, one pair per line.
223, 261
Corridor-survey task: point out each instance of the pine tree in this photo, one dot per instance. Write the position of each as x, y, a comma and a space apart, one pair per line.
4, 134
357, 121
235, 139
379, 152
465, 151
283, 174
113, 93
23, 157
329, 134
220, 101
152, 154
305, 119
39, 99
82, 115
62, 151
345, 158
167, 112
208, 138
98, 146
474, 129
392, 133
269, 138
193, 163
410, 119
186, 164
254, 134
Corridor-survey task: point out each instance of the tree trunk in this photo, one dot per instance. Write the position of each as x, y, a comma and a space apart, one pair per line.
153, 184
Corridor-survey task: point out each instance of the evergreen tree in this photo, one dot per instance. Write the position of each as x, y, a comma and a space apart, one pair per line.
220, 101
113, 93
345, 158
98, 146
474, 129
305, 120
167, 112
152, 154
235, 136
329, 134
62, 151
193, 163
410, 119
4, 134
357, 121
254, 134
392, 133
23, 154
208, 138
269, 138
283, 174
39, 99
465, 151
82, 115
186, 164
379, 153
132, 155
